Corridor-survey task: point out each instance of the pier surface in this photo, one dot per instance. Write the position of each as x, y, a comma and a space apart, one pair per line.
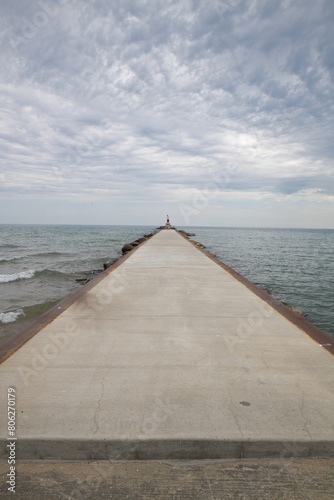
170, 357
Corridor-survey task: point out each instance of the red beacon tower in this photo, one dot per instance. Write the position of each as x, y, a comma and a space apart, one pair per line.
167, 225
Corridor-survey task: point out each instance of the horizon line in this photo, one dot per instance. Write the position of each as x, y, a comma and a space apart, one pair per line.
145, 225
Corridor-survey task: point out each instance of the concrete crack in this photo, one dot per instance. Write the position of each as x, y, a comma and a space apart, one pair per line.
209, 486
98, 409
265, 367
302, 413
234, 415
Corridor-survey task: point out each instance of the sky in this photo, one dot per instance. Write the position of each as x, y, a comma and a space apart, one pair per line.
215, 112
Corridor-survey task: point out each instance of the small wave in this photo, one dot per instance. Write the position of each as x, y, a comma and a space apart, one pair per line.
50, 273
36, 310
8, 245
42, 254
9, 259
10, 317
6, 278
48, 254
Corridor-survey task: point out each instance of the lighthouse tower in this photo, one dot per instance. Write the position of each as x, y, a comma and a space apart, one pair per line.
167, 225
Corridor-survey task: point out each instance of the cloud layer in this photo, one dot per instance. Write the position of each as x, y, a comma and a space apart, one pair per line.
135, 107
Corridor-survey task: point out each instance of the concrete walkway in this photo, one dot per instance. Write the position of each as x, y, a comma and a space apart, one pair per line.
170, 357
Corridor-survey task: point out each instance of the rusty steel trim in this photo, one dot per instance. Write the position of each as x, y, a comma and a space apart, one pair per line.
322, 338
11, 345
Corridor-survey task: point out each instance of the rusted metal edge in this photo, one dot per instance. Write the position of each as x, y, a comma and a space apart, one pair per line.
322, 338
11, 345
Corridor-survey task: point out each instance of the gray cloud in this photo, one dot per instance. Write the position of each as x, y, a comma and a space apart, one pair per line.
112, 98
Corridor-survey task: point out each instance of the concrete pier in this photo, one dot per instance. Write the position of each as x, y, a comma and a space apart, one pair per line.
170, 357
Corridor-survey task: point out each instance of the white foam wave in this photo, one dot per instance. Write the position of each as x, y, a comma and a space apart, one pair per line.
8, 259
6, 278
10, 317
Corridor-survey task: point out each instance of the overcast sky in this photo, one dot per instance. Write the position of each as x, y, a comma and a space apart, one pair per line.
217, 112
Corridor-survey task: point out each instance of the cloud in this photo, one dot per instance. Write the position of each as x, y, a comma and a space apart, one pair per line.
142, 100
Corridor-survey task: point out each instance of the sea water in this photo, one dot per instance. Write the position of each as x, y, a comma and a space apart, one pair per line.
39, 265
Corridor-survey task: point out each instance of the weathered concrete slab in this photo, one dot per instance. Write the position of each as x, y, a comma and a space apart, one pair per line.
170, 357
310, 479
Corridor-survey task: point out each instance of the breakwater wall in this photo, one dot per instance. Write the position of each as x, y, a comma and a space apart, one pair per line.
169, 355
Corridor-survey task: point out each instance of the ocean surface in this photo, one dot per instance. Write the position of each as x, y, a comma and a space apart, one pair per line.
39, 265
